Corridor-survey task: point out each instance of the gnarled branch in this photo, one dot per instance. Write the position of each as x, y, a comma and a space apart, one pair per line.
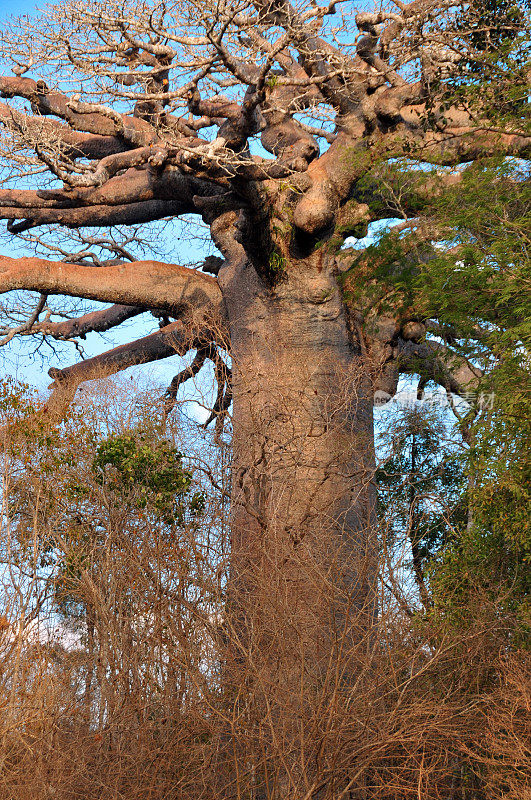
150, 284
93, 322
174, 339
434, 361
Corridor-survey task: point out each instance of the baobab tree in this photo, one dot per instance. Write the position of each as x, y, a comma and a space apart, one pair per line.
288, 129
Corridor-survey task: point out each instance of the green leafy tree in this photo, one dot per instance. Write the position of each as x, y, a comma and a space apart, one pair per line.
421, 487
475, 295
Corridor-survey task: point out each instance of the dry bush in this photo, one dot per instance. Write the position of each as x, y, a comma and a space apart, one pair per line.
127, 669
108, 613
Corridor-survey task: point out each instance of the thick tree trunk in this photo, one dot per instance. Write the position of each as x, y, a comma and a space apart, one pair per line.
303, 554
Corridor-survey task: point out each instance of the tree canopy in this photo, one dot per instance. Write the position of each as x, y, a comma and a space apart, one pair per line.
268, 119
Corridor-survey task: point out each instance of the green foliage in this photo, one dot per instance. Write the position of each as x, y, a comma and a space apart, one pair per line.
17, 402
272, 81
475, 286
383, 277
482, 566
421, 480
488, 216
464, 514
491, 26
276, 265
142, 471
491, 557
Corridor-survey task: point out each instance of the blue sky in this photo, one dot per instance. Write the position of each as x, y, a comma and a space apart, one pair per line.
17, 7
17, 360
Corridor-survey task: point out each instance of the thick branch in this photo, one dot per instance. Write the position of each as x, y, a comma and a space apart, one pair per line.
456, 136
470, 143
434, 361
78, 115
317, 55
93, 322
150, 284
333, 175
136, 187
73, 143
174, 339
100, 216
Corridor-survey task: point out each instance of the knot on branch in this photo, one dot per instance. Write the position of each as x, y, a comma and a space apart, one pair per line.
41, 88
315, 211
57, 375
212, 264
413, 331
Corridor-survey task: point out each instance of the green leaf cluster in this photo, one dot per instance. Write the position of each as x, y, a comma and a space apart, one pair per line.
421, 480
475, 288
141, 470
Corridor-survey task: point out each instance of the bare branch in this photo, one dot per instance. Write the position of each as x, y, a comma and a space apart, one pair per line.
434, 361
170, 396
150, 284
80, 117
93, 322
174, 339
29, 325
